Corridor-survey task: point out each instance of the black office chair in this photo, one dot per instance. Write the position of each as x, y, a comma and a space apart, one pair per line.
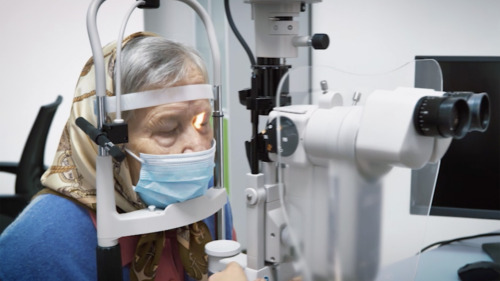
30, 168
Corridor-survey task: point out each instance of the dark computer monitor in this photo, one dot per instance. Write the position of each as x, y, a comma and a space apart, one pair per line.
468, 184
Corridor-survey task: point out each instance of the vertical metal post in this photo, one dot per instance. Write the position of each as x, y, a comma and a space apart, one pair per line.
108, 257
218, 116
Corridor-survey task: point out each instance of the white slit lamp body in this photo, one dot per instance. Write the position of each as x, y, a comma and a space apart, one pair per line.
332, 179
332, 187
331, 163
341, 153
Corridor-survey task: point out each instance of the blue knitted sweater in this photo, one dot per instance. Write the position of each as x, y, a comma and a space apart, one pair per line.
55, 239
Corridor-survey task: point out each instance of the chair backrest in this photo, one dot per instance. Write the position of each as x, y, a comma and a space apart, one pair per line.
31, 166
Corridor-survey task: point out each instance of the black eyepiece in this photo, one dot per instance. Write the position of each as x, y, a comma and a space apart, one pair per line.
445, 117
479, 105
452, 115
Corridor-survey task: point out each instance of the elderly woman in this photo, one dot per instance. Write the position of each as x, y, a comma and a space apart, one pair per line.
55, 237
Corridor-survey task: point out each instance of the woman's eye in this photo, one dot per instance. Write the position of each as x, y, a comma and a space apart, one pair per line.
168, 130
166, 137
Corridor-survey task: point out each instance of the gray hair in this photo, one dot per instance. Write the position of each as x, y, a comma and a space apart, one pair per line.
151, 62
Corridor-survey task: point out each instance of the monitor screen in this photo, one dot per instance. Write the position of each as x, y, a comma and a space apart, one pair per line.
468, 183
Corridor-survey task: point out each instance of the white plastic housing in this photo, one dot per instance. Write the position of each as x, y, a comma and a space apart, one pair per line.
378, 134
274, 38
387, 135
333, 191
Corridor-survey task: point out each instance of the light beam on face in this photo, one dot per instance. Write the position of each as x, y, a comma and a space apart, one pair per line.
198, 120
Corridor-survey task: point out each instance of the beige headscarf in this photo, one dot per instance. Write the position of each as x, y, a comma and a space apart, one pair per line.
73, 171
73, 174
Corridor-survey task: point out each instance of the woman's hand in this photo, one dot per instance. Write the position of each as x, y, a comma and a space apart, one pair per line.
233, 272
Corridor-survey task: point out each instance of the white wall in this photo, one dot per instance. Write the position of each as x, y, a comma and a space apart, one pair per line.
44, 47
376, 36
167, 19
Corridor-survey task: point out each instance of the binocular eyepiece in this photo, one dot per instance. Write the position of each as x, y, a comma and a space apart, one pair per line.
452, 115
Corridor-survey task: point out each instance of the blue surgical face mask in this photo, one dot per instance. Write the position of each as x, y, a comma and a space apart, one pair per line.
172, 178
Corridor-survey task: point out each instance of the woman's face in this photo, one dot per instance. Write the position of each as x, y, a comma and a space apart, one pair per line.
174, 128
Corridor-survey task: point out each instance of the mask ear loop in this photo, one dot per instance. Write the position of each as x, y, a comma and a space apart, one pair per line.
134, 155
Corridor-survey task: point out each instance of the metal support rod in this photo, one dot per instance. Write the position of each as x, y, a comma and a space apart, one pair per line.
218, 119
98, 56
108, 257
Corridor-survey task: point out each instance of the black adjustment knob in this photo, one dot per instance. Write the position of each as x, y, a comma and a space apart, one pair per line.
320, 41
289, 136
150, 4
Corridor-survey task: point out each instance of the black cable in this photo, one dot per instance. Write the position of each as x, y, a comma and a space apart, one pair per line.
446, 242
237, 33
